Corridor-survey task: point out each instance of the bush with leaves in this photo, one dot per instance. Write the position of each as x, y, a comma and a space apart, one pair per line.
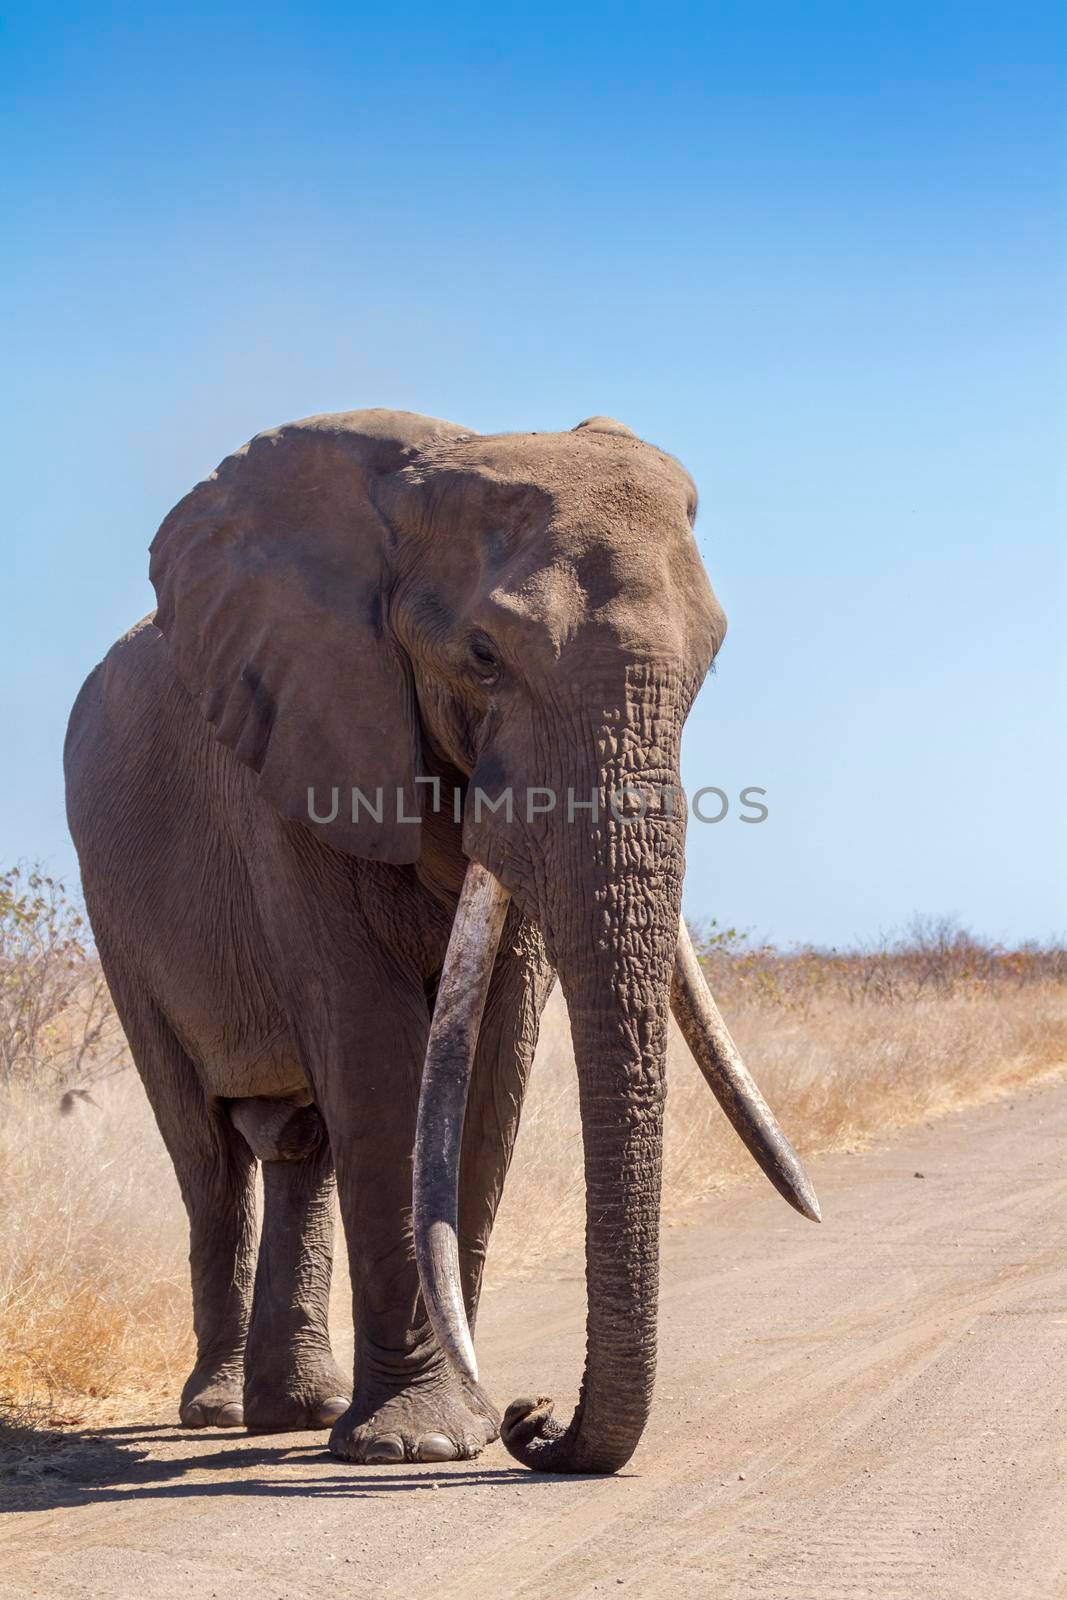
58, 1029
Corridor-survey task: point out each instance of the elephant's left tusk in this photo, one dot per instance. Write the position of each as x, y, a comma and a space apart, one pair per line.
719, 1060
457, 1014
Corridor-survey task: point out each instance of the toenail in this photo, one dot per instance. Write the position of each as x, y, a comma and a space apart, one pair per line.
231, 1415
435, 1447
385, 1451
330, 1410
193, 1417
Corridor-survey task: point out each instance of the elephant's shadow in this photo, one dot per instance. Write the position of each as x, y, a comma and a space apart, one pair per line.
93, 1466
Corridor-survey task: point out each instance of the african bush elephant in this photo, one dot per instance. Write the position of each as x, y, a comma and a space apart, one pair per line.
315, 901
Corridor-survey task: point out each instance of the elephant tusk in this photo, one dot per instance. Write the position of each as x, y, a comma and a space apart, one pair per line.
450, 1049
719, 1060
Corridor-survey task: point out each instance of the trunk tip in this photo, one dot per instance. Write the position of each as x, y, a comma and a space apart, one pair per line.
524, 1420
530, 1433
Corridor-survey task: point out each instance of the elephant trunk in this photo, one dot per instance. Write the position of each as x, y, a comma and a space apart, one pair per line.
621, 1094
613, 921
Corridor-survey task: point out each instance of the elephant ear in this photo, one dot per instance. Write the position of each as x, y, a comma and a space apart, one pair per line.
271, 578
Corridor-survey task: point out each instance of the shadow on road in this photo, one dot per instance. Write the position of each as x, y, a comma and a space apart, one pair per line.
113, 1464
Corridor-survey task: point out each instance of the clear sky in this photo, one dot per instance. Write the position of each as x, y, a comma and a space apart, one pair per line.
813, 249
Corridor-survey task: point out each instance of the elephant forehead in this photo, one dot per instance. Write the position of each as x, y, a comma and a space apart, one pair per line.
586, 478
652, 597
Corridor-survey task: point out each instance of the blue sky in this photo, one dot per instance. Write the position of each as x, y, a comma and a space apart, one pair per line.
816, 250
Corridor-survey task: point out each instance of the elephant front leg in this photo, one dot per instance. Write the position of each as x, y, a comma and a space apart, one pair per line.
407, 1403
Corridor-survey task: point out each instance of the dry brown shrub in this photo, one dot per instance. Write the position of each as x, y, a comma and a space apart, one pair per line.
934, 956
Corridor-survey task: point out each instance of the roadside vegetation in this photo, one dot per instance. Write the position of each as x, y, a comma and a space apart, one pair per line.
94, 1300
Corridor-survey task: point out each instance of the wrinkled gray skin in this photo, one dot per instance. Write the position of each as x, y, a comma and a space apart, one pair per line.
359, 600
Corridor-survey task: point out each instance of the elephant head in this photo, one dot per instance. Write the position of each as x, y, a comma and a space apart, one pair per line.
364, 601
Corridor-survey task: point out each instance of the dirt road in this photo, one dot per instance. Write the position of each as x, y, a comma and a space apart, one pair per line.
873, 1408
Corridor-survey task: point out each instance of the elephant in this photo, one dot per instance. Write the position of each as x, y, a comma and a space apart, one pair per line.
329, 940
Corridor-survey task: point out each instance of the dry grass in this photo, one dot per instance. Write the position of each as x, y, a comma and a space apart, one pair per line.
93, 1280
835, 1074
94, 1301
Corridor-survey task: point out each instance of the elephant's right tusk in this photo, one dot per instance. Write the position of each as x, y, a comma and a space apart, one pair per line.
719, 1060
457, 1014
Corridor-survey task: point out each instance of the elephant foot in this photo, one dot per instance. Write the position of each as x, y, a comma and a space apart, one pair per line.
440, 1421
211, 1397
303, 1396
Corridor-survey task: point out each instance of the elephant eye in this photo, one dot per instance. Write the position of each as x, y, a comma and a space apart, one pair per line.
484, 659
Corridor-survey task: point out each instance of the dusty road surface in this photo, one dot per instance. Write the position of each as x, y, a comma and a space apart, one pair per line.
873, 1408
